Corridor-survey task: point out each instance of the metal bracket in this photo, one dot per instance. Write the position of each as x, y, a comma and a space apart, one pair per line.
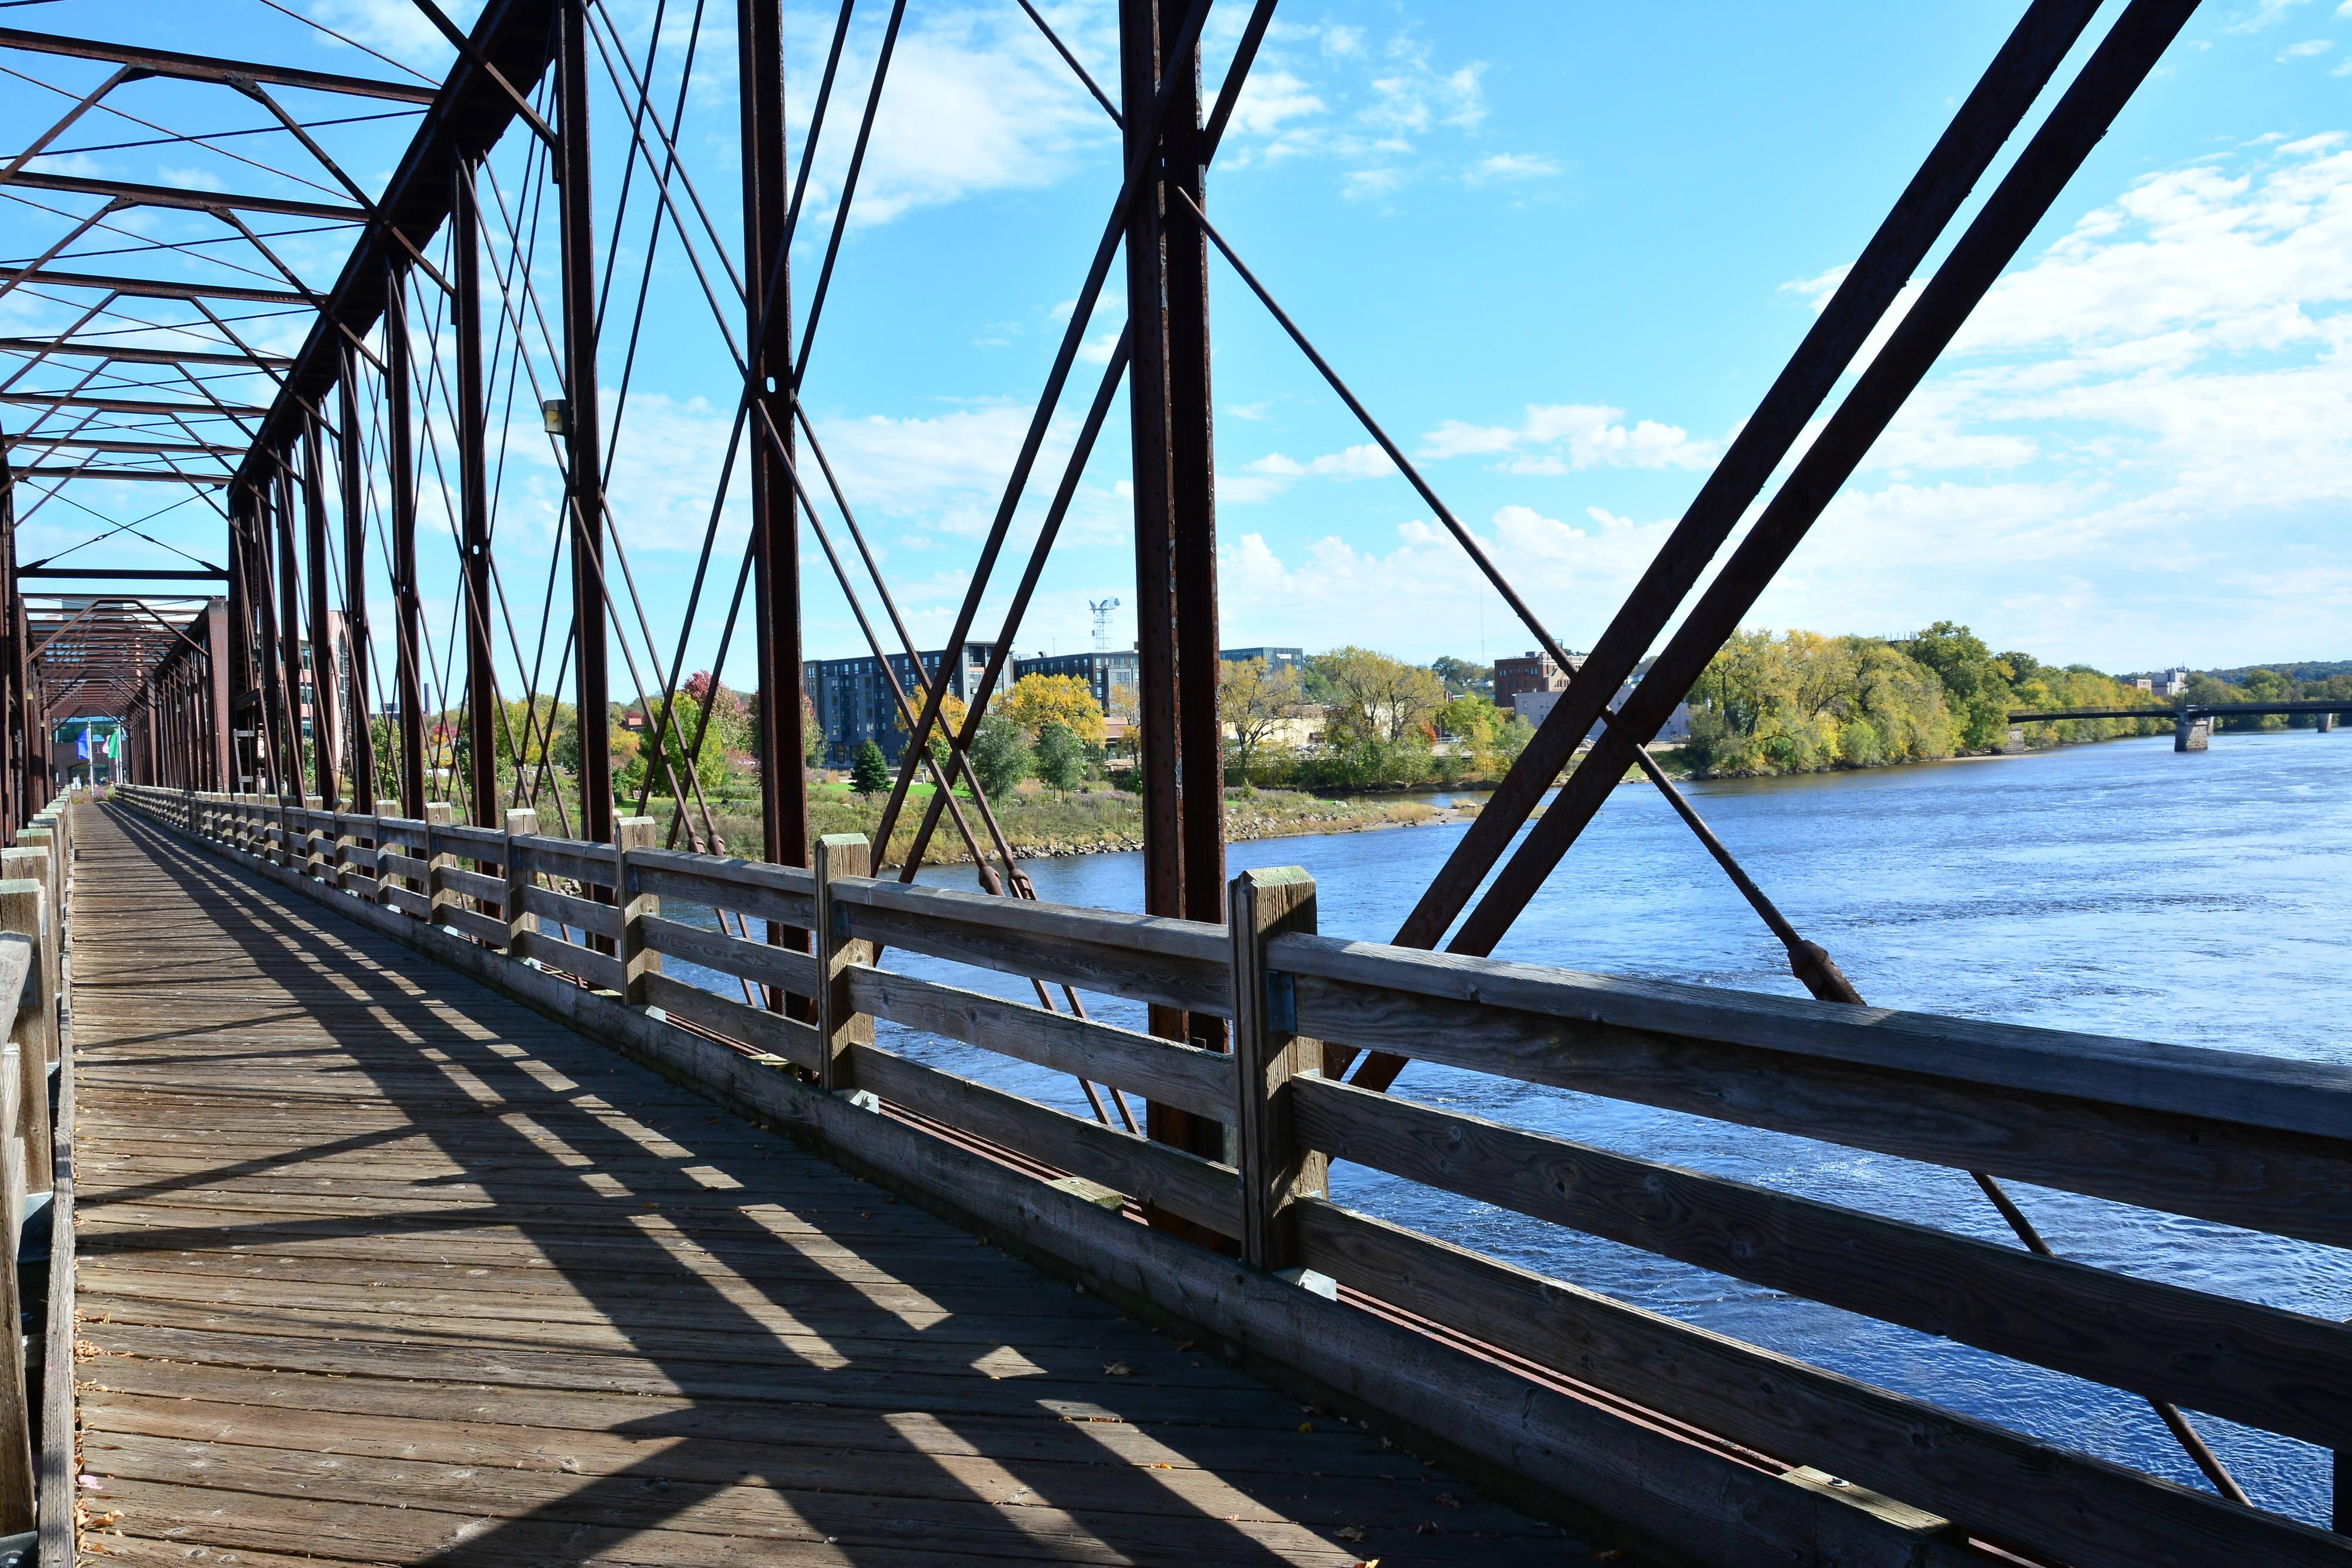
1281, 1001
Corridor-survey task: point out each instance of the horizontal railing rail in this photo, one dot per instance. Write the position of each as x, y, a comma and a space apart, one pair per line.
38, 1451
2254, 1142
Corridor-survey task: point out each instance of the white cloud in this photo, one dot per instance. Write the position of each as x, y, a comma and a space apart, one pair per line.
2305, 50
1269, 475
977, 103
1271, 99
1374, 106
1556, 438
1318, 592
190, 179
2265, 13
2166, 383
1511, 166
397, 27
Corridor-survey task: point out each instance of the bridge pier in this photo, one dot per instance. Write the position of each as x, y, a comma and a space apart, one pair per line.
2191, 733
2323, 722
2015, 744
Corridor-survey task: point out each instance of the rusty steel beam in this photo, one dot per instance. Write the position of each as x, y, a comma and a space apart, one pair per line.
407, 597
212, 67
1175, 525
584, 429
775, 523
48, 347
325, 707
151, 287
125, 444
130, 405
473, 503
134, 475
130, 194
355, 612
126, 574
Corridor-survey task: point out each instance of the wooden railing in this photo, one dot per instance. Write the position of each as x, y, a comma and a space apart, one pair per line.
36, 1412
2248, 1141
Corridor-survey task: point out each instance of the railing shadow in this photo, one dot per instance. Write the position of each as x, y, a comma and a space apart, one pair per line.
833, 1370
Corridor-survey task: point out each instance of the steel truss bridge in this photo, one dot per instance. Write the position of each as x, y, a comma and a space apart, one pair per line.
291, 777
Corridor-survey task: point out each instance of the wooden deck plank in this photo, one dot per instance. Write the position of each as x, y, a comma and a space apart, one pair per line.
380, 1266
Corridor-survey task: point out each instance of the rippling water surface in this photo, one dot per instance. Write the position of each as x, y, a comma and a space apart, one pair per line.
2119, 888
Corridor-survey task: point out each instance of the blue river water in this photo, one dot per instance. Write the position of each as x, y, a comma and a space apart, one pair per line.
2119, 888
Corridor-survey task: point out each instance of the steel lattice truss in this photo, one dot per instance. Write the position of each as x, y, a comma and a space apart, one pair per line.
487, 321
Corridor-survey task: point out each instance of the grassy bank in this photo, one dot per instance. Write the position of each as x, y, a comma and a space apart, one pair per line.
1039, 826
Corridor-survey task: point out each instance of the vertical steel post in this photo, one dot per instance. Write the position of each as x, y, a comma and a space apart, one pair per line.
400, 458
473, 503
775, 521
585, 446
289, 631
14, 753
355, 616
219, 727
326, 715
237, 668
1175, 523
253, 542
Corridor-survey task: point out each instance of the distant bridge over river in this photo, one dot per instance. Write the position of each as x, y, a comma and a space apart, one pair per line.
2192, 723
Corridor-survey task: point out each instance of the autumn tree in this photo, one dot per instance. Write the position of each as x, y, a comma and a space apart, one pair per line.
1036, 700
1254, 702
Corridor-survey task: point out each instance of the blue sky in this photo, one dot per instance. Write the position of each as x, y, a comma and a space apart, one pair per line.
1560, 250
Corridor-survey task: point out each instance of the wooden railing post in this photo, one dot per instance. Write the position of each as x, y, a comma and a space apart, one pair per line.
437, 814
1269, 1054
637, 960
41, 839
840, 1024
24, 909
524, 823
16, 1155
314, 858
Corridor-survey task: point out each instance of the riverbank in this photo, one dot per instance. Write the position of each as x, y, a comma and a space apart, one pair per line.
1103, 821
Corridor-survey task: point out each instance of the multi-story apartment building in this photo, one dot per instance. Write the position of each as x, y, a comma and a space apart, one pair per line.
1104, 673
854, 705
1276, 658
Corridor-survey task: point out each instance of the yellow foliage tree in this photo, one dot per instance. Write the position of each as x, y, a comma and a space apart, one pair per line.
1036, 700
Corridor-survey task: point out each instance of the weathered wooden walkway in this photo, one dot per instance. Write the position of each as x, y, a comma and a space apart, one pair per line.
379, 1266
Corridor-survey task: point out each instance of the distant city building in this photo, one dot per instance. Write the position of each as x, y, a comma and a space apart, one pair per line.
855, 704
2145, 683
1276, 658
2173, 683
1103, 672
1532, 672
1535, 707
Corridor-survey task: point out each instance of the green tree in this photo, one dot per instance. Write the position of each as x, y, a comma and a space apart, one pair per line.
1061, 758
1462, 678
869, 773
1000, 756
813, 741
1973, 682
1370, 695
1256, 704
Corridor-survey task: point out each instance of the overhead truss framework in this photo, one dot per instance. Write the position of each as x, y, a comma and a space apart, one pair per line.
506, 264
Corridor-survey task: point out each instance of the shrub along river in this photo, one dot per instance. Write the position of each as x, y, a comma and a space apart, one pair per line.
2118, 888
